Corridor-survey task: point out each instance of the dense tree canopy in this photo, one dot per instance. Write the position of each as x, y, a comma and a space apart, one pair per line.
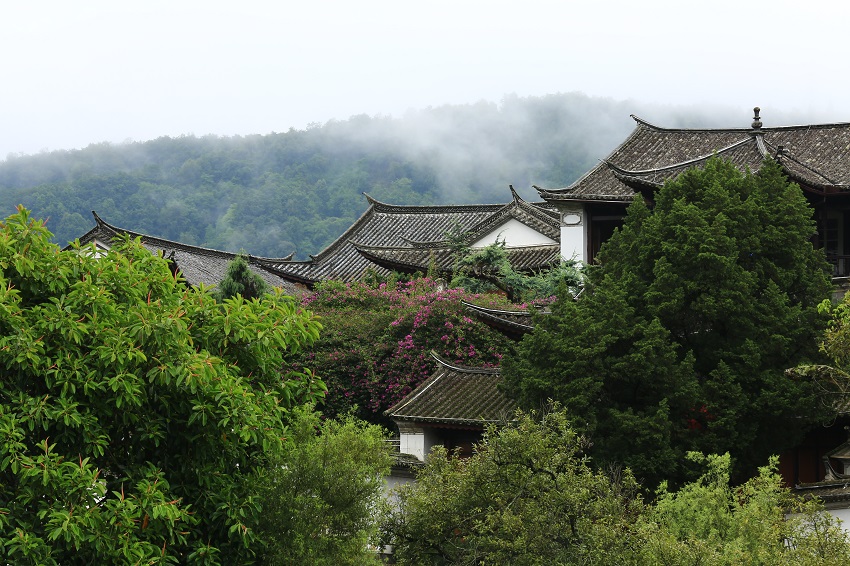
320, 495
683, 332
529, 496
134, 410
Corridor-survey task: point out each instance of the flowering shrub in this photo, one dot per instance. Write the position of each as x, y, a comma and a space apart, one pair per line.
376, 340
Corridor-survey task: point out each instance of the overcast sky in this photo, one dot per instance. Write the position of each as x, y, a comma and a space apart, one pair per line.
75, 73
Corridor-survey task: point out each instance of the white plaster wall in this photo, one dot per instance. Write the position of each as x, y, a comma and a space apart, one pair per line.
413, 444
844, 515
515, 234
573, 243
418, 443
431, 440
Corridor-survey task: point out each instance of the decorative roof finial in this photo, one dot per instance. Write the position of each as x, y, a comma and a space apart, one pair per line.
756, 119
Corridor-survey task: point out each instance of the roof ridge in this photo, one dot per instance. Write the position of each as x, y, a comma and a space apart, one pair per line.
152, 240
462, 368
679, 164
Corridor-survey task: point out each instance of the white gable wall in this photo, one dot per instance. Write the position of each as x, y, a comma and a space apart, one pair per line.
515, 234
574, 228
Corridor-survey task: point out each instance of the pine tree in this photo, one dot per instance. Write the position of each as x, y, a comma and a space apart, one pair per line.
682, 335
240, 280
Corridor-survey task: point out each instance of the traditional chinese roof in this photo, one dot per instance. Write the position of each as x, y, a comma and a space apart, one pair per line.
394, 227
422, 257
196, 264
815, 156
457, 395
831, 492
514, 324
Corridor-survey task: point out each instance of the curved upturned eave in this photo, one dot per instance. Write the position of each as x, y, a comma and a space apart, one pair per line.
681, 165
552, 194
369, 252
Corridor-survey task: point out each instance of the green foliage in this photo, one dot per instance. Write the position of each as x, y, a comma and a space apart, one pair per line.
240, 280
320, 496
710, 522
488, 269
134, 411
682, 335
527, 496
377, 339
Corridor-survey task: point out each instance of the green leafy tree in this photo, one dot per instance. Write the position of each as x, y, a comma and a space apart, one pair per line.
527, 496
321, 495
709, 522
134, 411
240, 280
682, 335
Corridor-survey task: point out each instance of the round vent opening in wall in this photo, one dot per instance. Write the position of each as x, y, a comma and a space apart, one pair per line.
572, 219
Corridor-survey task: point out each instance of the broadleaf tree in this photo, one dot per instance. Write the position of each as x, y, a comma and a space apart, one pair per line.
684, 330
321, 494
530, 495
134, 410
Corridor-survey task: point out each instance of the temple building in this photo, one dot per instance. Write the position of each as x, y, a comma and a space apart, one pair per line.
817, 157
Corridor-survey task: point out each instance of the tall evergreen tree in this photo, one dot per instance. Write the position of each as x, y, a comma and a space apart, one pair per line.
240, 280
682, 335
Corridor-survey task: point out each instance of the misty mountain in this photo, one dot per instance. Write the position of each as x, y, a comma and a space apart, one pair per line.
297, 191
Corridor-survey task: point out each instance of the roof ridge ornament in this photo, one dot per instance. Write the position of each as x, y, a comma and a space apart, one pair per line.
756, 120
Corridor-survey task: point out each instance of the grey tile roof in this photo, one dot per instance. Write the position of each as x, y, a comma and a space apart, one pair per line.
456, 395
393, 226
196, 264
829, 491
816, 156
421, 257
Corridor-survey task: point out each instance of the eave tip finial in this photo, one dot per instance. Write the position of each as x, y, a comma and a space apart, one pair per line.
756, 119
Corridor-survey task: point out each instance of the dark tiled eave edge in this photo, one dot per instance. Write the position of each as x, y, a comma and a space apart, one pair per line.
560, 196
501, 318
375, 255
830, 491
411, 259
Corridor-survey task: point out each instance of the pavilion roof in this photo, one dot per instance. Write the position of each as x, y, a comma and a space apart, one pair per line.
456, 395
196, 264
815, 156
513, 323
395, 227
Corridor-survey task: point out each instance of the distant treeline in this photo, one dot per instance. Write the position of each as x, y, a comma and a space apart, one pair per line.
297, 191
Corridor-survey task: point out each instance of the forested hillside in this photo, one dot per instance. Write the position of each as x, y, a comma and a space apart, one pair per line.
296, 191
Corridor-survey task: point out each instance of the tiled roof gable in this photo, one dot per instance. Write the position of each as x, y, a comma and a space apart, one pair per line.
456, 394
816, 156
388, 226
196, 264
